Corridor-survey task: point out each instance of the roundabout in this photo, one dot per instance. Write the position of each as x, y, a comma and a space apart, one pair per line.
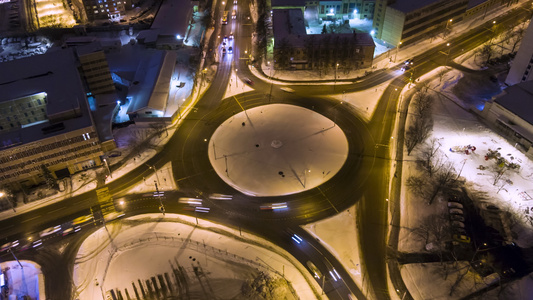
276, 150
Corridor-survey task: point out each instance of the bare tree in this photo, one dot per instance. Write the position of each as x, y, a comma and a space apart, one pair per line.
519, 34
418, 185
418, 132
444, 178
264, 286
422, 121
486, 51
434, 229
429, 156
497, 173
441, 74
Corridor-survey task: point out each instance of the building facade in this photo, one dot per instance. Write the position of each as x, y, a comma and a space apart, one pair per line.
408, 21
523, 62
510, 113
106, 9
337, 9
45, 120
294, 49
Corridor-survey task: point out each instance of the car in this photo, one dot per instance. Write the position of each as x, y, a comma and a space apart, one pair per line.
223, 51
72, 229
297, 238
234, 15
9, 245
248, 81
408, 62
217, 196
274, 206
462, 238
458, 224
459, 230
230, 50
190, 201
82, 219
225, 39
316, 273
455, 211
286, 89
201, 209
49, 231
457, 218
231, 36
491, 207
234, 1
406, 68
223, 45
455, 205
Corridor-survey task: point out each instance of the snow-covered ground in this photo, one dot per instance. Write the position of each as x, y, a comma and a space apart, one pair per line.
206, 254
23, 279
278, 149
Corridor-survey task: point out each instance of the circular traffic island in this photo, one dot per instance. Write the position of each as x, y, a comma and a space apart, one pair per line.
276, 150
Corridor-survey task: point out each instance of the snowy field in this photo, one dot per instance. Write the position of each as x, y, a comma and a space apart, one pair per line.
207, 254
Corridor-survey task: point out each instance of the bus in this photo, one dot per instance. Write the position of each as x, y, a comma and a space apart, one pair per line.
225, 18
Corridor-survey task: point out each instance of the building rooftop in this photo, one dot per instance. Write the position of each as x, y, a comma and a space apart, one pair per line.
282, 3
408, 6
151, 83
173, 17
518, 99
55, 74
289, 24
474, 3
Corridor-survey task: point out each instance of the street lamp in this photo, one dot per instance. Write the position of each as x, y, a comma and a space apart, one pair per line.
335, 83
2, 194
271, 82
236, 84
161, 206
448, 54
448, 23
397, 48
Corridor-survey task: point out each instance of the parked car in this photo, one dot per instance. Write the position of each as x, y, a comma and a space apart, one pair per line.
461, 238
455, 211
455, 205
458, 224
230, 50
457, 218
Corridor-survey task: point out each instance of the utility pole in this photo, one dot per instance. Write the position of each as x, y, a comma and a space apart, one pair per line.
13, 253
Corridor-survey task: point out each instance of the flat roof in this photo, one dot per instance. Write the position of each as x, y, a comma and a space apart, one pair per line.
518, 99
54, 73
151, 83
408, 6
474, 3
172, 18
276, 3
288, 23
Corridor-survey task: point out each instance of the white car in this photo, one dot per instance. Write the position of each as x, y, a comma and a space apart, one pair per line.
49, 231
286, 89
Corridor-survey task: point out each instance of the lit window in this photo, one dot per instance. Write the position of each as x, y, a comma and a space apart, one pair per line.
106, 5
107, 9
101, 6
114, 4
96, 11
94, 6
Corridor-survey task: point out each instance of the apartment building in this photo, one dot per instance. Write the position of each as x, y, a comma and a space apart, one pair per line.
408, 21
523, 62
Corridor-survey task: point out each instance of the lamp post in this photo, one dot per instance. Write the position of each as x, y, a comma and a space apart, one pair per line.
447, 24
236, 83
271, 82
2, 194
447, 54
397, 48
335, 83
161, 207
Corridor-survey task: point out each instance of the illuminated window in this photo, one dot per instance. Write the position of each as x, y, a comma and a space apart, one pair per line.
108, 10
96, 11
106, 5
